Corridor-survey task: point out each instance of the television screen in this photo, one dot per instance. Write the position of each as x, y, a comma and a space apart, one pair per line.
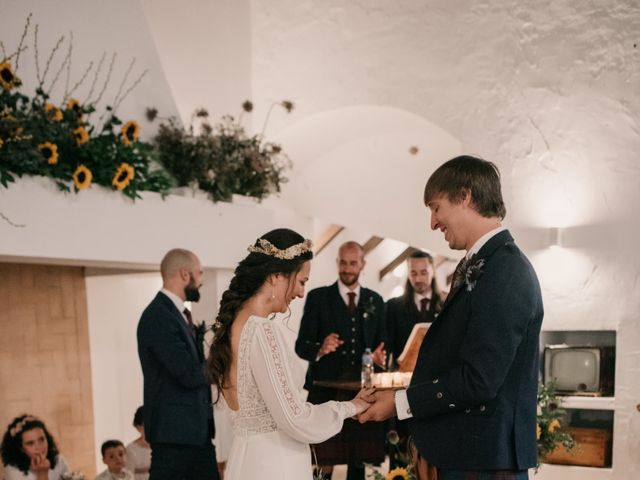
573, 369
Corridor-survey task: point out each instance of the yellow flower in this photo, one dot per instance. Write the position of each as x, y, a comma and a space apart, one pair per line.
81, 136
398, 474
73, 104
538, 431
82, 177
555, 424
123, 176
49, 152
1, 142
130, 132
53, 111
8, 79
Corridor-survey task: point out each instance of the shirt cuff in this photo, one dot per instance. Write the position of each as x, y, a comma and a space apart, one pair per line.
403, 409
349, 409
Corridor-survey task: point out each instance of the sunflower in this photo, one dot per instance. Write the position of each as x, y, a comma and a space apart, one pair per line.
123, 176
81, 136
53, 111
8, 79
82, 177
130, 132
49, 152
73, 104
553, 425
398, 474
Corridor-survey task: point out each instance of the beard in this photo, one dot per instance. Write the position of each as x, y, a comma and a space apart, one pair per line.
191, 291
348, 278
421, 288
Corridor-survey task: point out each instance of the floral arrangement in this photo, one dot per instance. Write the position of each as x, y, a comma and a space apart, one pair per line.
549, 431
39, 136
222, 159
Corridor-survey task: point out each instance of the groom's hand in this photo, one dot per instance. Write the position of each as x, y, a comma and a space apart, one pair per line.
383, 407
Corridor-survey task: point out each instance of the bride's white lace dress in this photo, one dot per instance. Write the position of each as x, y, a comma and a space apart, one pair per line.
274, 426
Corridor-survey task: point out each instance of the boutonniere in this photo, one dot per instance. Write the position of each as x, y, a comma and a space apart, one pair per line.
368, 308
472, 272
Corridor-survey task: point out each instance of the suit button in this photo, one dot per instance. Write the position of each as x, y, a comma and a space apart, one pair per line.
467, 410
482, 408
353, 340
408, 411
353, 351
344, 352
435, 380
439, 395
353, 329
353, 320
452, 405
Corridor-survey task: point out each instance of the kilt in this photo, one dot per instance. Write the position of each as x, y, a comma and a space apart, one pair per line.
356, 442
482, 475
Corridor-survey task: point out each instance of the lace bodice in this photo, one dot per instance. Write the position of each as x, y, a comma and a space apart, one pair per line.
253, 415
267, 396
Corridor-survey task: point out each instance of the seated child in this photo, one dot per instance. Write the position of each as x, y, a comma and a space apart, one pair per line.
114, 457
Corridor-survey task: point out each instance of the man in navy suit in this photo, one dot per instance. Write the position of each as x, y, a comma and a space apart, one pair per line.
472, 398
178, 416
339, 322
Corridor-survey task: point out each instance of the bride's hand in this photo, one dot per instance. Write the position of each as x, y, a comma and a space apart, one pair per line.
366, 394
361, 405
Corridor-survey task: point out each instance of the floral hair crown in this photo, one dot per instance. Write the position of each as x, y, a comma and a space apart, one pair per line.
17, 428
267, 248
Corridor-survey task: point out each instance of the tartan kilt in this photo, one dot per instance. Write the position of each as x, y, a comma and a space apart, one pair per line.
356, 442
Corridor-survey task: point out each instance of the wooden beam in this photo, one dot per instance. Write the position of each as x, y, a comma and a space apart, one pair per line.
370, 244
326, 237
396, 261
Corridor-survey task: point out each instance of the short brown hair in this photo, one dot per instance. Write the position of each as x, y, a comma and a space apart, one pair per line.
466, 173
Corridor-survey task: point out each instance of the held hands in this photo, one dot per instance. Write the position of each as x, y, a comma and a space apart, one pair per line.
362, 400
330, 344
382, 405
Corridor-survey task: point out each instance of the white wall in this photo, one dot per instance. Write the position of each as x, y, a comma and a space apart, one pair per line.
115, 302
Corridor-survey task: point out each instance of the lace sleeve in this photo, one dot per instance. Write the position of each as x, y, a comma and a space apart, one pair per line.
305, 422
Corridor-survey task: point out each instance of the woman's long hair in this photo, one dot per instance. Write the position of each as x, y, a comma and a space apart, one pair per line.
250, 274
12, 452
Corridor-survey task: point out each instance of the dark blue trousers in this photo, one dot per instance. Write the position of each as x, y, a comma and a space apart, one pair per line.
183, 462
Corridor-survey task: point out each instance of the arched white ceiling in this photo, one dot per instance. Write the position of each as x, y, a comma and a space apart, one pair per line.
354, 167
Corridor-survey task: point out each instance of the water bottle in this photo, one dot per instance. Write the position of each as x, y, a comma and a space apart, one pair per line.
367, 368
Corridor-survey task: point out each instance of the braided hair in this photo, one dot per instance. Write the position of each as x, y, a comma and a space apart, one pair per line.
12, 452
250, 274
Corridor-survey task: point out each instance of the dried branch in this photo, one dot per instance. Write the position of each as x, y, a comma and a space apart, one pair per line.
53, 52
74, 88
66, 60
24, 34
8, 220
133, 85
95, 78
35, 47
106, 81
124, 79
66, 83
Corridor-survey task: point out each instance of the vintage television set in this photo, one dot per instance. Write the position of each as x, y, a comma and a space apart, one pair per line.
580, 370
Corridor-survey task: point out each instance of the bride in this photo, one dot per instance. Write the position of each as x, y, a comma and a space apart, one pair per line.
252, 366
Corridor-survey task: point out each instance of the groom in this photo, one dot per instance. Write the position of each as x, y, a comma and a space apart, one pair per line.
472, 398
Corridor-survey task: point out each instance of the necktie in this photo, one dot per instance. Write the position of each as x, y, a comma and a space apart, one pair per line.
192, 327
457, 279
423, 304
352, 302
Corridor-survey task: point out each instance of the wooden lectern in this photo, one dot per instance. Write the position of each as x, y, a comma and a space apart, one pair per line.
409, 356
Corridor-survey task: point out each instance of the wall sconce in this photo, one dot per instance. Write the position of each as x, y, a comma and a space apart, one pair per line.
556, 237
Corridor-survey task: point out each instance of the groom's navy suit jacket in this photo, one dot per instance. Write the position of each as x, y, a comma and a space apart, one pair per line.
177, 397
473, 391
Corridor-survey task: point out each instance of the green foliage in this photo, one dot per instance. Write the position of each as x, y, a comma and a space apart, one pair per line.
221, 159
550, 432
